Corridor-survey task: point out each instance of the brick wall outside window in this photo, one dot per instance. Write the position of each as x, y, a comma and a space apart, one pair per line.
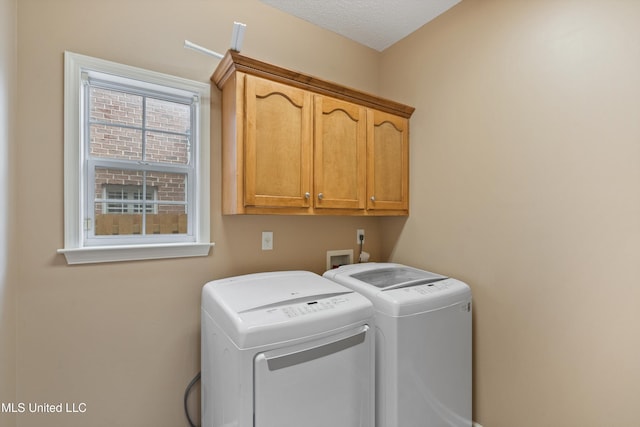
116, 133
110, 141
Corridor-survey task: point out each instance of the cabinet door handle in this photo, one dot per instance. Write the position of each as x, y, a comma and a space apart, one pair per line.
307, 195
320, 196
373, 198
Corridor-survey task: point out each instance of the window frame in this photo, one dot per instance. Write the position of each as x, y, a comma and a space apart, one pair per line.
76, 248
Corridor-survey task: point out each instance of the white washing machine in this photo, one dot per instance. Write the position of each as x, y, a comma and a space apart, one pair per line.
286, 349
423, 343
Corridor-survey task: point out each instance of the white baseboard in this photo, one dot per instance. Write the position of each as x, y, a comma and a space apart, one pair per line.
475, 424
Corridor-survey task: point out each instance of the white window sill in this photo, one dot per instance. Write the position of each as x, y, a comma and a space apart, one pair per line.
97, 254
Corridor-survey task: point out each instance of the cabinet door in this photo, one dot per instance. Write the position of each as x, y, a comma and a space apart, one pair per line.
278, 144
388, 161
340, 151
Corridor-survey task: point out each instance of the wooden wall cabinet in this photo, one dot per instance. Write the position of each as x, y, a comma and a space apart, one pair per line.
278, 145
295, 144
387, 162
340, 142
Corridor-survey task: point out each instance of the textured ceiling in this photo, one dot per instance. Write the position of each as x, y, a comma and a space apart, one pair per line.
374, 23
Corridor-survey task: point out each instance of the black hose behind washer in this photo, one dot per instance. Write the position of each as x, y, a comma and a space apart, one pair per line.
186, 397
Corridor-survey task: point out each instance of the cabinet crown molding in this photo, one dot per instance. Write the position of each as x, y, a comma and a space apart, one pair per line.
234, 61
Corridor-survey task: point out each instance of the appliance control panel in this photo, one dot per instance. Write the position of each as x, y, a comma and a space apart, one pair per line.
302, 309
430, 288
325, 311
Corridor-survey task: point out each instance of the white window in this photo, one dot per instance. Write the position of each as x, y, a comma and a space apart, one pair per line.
136, 163
116, 199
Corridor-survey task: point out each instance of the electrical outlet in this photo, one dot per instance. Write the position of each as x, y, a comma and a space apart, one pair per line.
267, 240
359, 233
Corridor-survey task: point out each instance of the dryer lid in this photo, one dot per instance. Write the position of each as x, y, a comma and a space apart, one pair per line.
266, 308
261, 290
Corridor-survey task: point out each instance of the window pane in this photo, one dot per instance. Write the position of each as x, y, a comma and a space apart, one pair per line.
166, 148
112, 142
171, 187
126, 185
110, 106
117, 199
121, 202
168, 116
117, 224
170, 219
118, 182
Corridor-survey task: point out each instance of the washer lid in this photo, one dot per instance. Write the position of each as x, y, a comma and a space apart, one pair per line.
393, 277
399, 290
266, 308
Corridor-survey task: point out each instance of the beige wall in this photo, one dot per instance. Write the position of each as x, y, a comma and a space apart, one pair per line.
124, 338
525, 171
526, 184
8, 102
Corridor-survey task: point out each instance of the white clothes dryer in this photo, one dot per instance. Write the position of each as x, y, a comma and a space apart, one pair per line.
286, 349
423, 343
